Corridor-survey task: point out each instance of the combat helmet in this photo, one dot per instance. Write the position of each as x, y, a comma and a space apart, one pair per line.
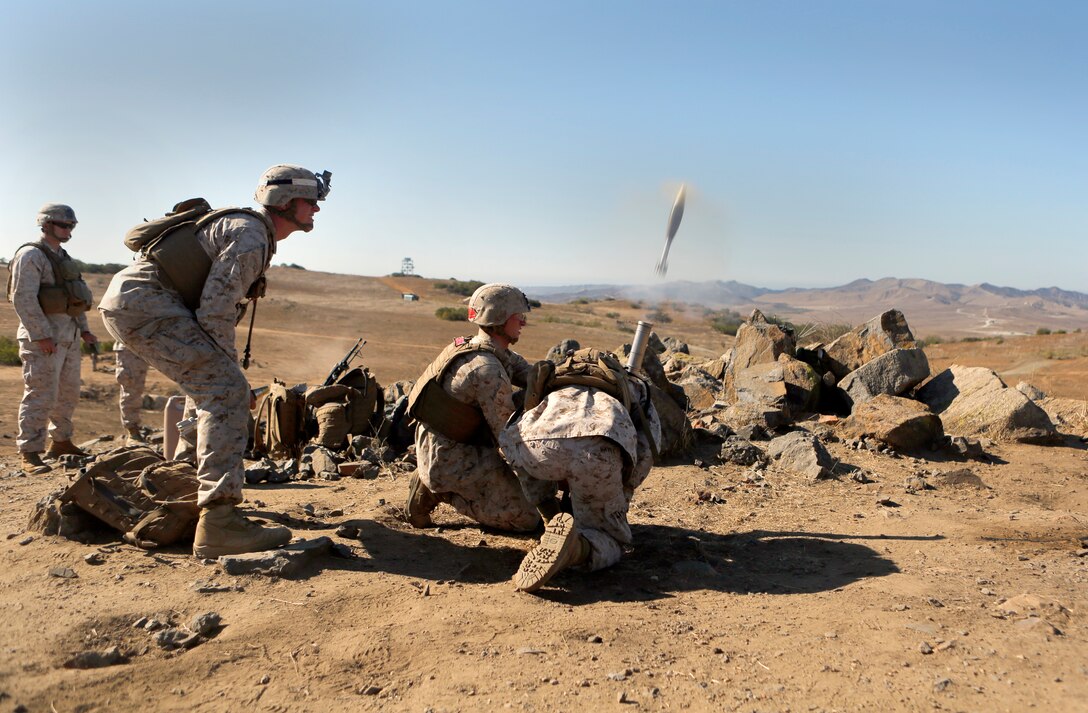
494, 303
284, 181
56, 213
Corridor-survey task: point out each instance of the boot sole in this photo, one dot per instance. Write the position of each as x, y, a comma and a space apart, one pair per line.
550, 556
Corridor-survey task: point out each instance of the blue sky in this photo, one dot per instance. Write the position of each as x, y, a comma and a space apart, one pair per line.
543, 143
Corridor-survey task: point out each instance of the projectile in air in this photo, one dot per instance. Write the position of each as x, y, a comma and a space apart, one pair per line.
674, 225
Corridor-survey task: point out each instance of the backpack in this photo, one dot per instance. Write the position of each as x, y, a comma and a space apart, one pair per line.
279, 427
595, 368
132, 489
171, 243
289, 418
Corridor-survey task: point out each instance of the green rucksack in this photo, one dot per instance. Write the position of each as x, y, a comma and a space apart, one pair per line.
171, 243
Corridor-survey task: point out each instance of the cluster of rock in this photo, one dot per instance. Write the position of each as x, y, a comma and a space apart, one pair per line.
873, 384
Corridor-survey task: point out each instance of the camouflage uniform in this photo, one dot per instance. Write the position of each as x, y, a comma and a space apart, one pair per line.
131, 374
475, 479
197, 351
587, 438
51, 382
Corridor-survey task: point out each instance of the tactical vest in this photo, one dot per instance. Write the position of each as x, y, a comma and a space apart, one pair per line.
433, 406
68, 294
171, 243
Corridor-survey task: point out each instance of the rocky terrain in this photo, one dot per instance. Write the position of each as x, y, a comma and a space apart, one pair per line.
897, 551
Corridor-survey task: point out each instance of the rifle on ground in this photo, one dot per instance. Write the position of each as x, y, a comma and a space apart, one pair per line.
345, 363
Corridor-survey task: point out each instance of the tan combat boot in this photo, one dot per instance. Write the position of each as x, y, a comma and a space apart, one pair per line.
222, 530
559, 548
135, 436
64, 448
32, 463
421, 503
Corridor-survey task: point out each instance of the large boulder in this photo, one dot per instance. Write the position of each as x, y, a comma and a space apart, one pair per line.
741, 417
879, 335
787, 384
802, 453
758, 342
894, 372
975, 401
903, 424
700, 388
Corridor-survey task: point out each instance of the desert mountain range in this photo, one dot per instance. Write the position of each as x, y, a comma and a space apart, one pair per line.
932, 308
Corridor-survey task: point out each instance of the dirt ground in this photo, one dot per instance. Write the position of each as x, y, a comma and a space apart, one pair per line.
740, 593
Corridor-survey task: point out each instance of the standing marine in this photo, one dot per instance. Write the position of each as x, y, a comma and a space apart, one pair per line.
461, 402
51, 300
190, 337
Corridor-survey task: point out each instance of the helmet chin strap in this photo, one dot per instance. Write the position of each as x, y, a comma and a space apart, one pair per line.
288, 214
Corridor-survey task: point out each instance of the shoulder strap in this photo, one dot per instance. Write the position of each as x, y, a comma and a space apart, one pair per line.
270, 229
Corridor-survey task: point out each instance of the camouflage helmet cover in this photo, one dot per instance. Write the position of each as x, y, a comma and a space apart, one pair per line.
56, 213
494, 303
284, 181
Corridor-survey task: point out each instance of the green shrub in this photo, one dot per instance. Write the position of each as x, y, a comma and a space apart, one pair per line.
91, 268
930, 341
103, 347
1042, 330
659, 317
452, 314
459, 287
580, 301
612, 315
9, 352
535, 304
725, 321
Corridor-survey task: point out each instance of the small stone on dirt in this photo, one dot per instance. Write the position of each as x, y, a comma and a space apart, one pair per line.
350, 532
925, 648
63, 572
96, 659
205, 623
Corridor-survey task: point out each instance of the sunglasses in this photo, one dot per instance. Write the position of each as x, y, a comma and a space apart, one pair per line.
65, 226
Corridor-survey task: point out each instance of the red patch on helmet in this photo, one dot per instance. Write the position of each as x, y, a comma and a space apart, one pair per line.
472, 313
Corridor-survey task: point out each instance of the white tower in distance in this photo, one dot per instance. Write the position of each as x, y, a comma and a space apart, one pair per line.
407, 267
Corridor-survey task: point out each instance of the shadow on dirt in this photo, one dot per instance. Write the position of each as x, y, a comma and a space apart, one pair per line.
667, 560
420, 553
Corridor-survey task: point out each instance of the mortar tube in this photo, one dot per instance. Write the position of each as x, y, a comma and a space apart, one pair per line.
638, 346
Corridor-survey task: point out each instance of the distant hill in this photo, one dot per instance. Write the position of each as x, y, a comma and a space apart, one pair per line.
932, 308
